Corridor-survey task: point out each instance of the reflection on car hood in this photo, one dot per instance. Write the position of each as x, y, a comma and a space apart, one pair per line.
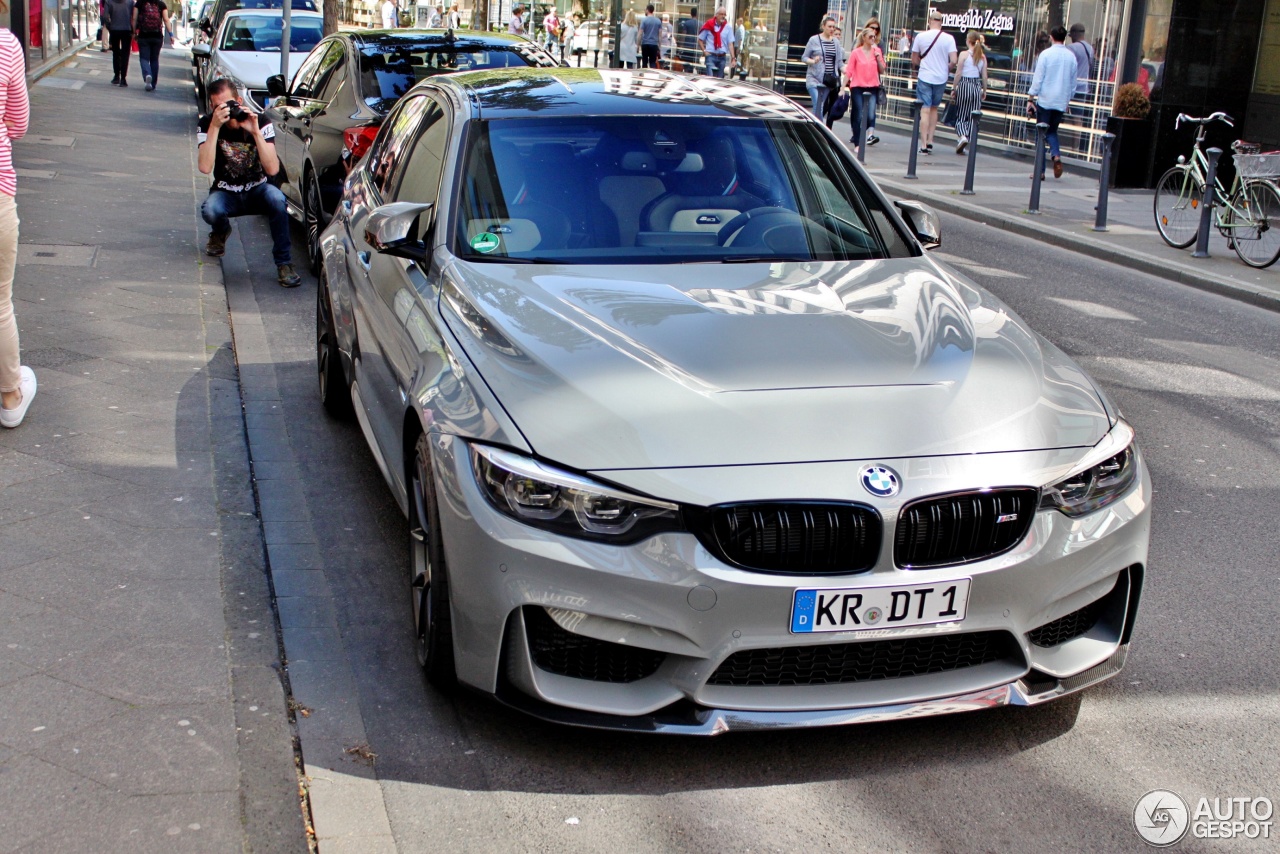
693, 365
253, 67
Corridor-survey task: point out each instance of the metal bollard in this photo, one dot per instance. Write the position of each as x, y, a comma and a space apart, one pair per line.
1206, 205
915, 139
972, 163
863, 118
1041, 129
1104, 179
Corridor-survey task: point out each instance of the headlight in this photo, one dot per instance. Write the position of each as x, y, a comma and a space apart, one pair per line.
1098, 482
566, 503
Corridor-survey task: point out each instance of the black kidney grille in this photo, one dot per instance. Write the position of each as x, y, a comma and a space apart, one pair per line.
836, 664
580, 657
807, 538
1066, 628
952, 529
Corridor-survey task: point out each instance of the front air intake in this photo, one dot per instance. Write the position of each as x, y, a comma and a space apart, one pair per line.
580, 657
947, 530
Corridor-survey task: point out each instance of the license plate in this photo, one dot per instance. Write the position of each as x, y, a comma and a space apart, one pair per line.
855, 609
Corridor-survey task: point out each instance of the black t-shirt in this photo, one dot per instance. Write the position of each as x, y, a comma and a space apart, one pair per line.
156, 27
236, 166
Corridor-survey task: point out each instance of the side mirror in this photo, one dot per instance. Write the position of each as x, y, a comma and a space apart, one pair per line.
394, 229
923, 222
276, 86
201, 50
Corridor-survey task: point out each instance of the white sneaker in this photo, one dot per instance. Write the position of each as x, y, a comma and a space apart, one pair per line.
960, 146
27, 385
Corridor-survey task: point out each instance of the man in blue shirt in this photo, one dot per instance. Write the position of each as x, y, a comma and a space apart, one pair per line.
1052, 85
650, 31
718, 48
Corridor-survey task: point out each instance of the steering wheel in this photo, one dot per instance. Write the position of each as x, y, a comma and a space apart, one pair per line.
756, 226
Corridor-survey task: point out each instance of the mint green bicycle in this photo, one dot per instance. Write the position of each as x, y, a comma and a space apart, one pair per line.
1248, 215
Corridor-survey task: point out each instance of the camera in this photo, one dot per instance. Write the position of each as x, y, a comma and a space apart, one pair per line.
238, 113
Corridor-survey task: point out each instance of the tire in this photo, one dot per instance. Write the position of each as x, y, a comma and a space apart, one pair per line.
1257, 239
428, 575
335, 391
1177, 207
312, 219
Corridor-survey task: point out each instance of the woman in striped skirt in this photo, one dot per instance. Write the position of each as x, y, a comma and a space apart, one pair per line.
970, 87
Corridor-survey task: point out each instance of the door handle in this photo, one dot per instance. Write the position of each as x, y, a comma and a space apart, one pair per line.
364, 258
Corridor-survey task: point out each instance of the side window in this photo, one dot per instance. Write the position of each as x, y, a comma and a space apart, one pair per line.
397, 132
419, 180
305, 75
327, 76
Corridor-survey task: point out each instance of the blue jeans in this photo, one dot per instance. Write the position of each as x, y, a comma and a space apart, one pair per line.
855, 109
715, 64
1052, 118
818, 97
265, 199
149, 57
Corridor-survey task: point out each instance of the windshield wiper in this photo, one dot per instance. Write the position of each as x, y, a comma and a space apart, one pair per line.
762, 259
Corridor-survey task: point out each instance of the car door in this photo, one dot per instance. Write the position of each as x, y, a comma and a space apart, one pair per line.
329, 114
286, 115
375, 278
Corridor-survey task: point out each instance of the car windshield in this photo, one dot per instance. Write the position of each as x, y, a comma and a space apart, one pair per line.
665, 190
390, 69
262, 33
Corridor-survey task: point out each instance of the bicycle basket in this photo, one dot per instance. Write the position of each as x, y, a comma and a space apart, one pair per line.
1258, 165
1242, 147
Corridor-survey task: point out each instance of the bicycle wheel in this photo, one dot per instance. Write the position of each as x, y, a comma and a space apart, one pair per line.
1255, 215
1177, 207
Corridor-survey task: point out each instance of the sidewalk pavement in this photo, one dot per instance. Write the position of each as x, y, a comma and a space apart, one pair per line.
141, 698
1002, 191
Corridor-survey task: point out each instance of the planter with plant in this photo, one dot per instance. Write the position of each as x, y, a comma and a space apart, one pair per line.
1131, 150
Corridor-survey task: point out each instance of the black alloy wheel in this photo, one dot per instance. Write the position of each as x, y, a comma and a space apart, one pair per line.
313, 219
429, 583
335, 393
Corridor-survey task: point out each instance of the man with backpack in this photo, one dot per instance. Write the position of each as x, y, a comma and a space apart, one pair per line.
150, 23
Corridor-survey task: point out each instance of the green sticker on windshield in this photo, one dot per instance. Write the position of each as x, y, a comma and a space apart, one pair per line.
485, 242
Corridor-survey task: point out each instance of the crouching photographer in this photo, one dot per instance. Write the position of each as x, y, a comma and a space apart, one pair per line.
241, 156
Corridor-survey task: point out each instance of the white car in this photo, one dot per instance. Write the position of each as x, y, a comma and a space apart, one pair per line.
246, 49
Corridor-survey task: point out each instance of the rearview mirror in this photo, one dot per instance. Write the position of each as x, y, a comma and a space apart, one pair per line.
201, 50
275, 85
922, 221
395, 229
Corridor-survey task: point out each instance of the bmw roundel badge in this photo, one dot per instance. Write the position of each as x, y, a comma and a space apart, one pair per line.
881, 481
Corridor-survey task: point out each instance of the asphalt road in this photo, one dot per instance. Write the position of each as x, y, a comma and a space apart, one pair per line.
1196, 710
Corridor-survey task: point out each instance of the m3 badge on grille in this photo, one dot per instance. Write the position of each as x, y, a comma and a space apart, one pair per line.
881, 481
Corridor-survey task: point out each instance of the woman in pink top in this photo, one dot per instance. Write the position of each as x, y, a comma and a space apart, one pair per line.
17, 382
862, 74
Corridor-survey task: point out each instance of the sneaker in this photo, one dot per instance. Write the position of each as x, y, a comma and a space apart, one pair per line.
151, 84
930, 147
872, 139
1057, 167
115, 81
123, 83
962, 145
27, 385
288, 278
217, 245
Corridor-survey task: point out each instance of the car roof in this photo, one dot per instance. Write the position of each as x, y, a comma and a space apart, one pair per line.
271, 13
398, 37
510, 92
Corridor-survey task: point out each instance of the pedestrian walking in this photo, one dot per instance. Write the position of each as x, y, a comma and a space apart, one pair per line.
628, 41
824, 55
454, 19
119, 15
666, 41
650, 38
151, 22
17, 381
551, 29
862, 77
718, 48
687, 41
1083, 52
390, 13
104, 34
1052, 85
933, 54
970, 87
516, 25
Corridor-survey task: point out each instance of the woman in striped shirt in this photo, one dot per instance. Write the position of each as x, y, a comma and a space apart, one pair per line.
17, 382
825, 57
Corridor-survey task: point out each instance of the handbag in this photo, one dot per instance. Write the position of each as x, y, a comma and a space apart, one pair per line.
951, 113
830, 81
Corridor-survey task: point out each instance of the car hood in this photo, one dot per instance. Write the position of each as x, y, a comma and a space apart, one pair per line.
253, 67
617, 367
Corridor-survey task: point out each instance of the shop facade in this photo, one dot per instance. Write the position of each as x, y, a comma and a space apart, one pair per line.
47, 29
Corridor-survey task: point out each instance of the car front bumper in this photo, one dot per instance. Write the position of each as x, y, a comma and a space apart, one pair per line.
669, 595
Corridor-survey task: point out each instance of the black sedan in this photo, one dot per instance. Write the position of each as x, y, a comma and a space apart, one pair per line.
326, 118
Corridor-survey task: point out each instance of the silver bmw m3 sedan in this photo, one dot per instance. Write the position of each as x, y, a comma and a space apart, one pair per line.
692, 434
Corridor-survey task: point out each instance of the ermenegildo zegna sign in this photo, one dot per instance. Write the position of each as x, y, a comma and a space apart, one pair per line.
986, 20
